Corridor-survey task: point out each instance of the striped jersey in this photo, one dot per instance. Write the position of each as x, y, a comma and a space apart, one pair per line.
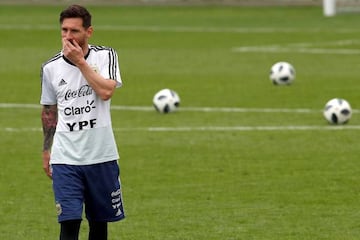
84, 132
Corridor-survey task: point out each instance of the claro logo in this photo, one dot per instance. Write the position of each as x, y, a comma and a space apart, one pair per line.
72, 111
84, 90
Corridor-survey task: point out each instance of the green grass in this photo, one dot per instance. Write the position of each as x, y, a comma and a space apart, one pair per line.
191, 181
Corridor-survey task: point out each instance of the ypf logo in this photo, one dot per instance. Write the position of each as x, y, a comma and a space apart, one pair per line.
81, 125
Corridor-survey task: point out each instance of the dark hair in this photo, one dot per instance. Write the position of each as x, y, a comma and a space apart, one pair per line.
77, 11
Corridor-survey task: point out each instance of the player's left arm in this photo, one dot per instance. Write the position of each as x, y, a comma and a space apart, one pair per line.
104, 88
49, 119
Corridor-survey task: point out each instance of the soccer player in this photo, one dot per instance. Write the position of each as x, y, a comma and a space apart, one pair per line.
79, 150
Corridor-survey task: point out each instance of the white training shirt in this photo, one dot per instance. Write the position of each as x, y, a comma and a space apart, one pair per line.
84, 132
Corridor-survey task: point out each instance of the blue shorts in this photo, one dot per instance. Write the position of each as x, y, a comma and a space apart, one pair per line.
96, 186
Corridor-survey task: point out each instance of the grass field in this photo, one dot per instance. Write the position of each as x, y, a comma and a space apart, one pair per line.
242, 159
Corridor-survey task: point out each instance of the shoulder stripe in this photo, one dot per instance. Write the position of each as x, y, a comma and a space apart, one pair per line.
99, 48
113, 59
113, 64
54, 58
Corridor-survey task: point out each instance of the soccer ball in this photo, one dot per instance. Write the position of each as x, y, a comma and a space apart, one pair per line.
282, 73
166, 101
337, 111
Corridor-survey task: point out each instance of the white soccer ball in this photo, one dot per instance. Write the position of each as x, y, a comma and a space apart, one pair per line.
282, 73
166, 101
337, 111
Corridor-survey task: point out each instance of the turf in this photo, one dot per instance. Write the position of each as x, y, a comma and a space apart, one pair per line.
239, 160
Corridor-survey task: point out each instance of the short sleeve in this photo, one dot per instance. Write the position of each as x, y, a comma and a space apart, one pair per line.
111, 69
48, 94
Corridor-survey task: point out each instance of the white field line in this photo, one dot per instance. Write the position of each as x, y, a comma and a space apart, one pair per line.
198, 128
249, 128
276, 49
189, 109
306, 47
155, 28
186, 109
210, 128
220, 109
343, 42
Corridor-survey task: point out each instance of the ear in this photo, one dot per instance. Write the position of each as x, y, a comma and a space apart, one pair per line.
89, 31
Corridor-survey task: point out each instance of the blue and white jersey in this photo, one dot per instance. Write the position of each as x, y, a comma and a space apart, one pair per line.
84, 132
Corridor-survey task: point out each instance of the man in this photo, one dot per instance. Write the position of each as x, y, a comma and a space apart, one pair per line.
79, 151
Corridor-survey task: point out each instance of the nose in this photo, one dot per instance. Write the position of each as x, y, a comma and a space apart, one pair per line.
67, 34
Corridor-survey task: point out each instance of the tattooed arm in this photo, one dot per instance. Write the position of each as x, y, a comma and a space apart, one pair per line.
49, 121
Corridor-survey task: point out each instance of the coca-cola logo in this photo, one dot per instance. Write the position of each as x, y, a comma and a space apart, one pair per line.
84, 90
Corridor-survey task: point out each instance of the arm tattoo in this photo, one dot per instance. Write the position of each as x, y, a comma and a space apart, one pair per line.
49, 121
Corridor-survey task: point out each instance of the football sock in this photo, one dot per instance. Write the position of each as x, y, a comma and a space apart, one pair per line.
70, 230
98, 230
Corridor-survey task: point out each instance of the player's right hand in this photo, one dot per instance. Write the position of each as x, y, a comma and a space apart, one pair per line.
46, 163
72, 51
